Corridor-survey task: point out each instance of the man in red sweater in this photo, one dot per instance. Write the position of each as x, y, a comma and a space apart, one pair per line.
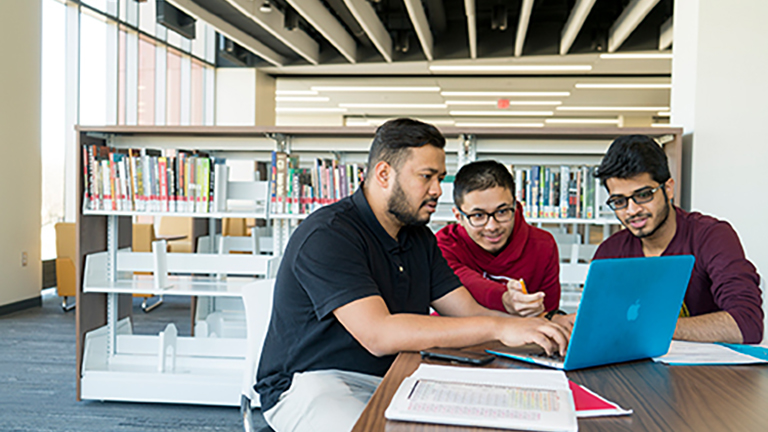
506, 264
723, 302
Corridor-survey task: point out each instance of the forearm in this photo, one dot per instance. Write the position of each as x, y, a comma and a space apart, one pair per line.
712, 327
460, 303
409, 332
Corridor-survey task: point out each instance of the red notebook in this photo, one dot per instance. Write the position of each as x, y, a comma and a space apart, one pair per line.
590, 404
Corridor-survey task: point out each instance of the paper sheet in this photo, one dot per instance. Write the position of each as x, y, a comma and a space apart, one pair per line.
695, 353
502, 398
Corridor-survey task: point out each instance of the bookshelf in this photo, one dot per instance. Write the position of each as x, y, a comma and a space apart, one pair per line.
103, 307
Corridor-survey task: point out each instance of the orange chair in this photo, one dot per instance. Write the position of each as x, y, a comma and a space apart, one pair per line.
179, 231
66, 278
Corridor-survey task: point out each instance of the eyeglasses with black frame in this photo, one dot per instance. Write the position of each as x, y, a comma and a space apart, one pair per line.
480, 218
645, 195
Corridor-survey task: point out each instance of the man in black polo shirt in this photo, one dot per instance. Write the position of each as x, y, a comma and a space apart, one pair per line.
355, 287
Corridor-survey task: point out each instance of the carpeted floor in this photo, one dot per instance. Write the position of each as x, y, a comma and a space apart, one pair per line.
37, 378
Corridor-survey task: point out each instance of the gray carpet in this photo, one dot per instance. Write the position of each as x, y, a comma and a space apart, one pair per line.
37, 378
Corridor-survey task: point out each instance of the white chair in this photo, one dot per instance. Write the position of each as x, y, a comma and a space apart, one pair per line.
574, 264
257, 299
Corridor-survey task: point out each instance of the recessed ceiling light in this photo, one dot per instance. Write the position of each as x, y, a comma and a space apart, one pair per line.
494, 103
295, 93
582, 121
511, 68
501, 113
636, 56
605, 108
622, 86
376, 89
351, 122
462, 124
380, 121
664, 114
393, 105
302, 99
310, 109
508, 93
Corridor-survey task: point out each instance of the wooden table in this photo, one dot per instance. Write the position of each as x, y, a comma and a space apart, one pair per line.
664, 398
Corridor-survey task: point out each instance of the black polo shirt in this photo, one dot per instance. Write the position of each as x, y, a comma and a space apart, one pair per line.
340, 254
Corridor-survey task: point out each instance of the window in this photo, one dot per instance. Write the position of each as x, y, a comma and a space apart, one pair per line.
101, 67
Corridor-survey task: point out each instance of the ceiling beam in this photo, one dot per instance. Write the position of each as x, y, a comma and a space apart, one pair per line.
628, 21
420, 25
372, 26
327, 25
522, 26
469, 9
572, 27
231, 32
666, 34
272, 22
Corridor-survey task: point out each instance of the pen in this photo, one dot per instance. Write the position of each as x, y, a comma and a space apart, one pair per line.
522, 283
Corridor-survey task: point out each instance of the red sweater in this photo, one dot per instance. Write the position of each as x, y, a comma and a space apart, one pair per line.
531, 255
722, 280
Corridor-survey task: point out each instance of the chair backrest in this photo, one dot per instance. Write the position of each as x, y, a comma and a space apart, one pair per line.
65, 240
172, 225
142, 237
257, 300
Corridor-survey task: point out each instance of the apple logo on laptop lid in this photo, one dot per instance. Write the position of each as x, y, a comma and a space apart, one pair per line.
634, 311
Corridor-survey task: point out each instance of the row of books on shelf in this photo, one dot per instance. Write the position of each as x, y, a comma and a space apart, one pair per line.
558, 191
296, 190
152, 180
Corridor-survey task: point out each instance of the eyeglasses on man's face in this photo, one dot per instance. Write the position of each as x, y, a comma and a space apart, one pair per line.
478, 219
644, 195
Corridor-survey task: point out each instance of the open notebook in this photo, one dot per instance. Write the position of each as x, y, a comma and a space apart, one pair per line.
501, 398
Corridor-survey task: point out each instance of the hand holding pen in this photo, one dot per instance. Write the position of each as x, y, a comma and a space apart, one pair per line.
518, 302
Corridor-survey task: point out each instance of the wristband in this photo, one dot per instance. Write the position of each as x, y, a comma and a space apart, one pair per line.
554, 312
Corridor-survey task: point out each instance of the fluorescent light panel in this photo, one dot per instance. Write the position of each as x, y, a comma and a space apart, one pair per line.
494, 103
392, 105
636, 56
622, 86
507, 93
605, 108
295, 93
501, 113
375, 89
302, 99
499, 125
511, 68
582, 121
310, 109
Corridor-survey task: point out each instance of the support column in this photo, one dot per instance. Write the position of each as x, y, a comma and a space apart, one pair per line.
719, 91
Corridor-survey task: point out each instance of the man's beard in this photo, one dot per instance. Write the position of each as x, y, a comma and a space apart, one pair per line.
398, 206
664, 216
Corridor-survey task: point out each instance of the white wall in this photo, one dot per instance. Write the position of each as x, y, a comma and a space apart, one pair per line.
720, 89
235, 97
20, 48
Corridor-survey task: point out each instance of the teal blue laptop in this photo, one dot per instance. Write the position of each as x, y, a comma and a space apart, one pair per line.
628, 311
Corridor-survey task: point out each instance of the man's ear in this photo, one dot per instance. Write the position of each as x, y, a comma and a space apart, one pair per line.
456, 213
669, 188
383, 174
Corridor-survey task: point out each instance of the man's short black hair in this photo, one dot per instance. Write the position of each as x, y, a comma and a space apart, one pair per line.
395, 138
481, 175
631, 155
